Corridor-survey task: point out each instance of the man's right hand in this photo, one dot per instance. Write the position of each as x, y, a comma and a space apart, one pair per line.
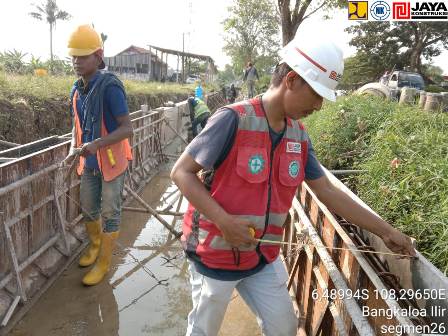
236, 231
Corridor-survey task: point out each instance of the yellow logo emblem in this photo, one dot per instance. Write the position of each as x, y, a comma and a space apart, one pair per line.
358, 10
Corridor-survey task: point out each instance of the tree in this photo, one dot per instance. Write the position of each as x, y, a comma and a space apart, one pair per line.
103, 39
433, 72
226, 76
51, 13
401, 43
293, 13
252, 30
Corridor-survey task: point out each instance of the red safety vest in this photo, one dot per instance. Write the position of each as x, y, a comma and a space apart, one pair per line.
253, 183
112, 164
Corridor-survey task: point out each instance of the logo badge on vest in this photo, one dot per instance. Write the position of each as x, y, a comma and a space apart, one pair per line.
293, 147
293, 169
256, 164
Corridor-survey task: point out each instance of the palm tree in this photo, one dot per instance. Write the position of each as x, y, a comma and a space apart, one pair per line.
51, 13
103, 39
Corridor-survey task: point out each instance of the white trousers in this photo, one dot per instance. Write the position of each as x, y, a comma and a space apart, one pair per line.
265, 293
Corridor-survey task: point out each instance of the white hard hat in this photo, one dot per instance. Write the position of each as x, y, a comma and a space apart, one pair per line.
317, 60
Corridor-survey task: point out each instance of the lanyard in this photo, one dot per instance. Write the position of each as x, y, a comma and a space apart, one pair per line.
83, 106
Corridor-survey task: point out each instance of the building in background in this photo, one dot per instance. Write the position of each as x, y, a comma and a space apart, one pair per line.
152, 65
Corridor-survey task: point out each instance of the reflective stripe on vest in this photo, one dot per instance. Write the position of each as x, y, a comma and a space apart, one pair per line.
200, 108
253, 184
111, 165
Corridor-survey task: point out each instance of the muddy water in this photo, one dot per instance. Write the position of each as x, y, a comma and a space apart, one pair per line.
149, 297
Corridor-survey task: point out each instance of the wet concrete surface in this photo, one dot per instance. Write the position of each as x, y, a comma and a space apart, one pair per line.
149, 297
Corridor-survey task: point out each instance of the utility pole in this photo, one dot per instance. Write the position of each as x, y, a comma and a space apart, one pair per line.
183, 57
150, 63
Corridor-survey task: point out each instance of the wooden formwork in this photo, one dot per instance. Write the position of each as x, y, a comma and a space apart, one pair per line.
337, 288
40, 218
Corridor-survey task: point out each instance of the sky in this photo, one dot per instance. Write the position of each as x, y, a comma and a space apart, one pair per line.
142, 22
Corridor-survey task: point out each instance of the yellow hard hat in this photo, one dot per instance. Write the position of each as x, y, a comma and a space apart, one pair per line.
84, 41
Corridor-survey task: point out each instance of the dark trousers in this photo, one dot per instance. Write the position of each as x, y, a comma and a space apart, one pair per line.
201, 120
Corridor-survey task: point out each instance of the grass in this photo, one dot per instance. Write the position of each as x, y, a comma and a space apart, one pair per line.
43, 103
48, 87
369, 133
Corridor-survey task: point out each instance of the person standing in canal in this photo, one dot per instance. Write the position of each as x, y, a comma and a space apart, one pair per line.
240, 176
199, 113
101, 128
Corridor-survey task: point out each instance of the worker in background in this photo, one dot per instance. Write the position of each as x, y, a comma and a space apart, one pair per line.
232, 94
385, 78
253, 156
199, 92
199, 113
101, 128
250, 76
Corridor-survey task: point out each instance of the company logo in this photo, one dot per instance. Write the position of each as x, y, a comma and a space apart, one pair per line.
293, 169
380, 10
256, 164
429, 11
293, 147
335, 76
358, 10
401, 10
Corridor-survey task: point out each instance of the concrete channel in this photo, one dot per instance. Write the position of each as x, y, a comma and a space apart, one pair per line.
133, 300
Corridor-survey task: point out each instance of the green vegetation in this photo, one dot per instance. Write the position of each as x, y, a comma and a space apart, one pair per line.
412, 194
34, 107
60, 86
435, 88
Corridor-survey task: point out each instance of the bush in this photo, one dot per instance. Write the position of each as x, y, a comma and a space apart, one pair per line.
413, 194
435, 88
342, 131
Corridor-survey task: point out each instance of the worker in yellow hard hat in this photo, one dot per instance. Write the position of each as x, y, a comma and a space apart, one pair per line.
101, 128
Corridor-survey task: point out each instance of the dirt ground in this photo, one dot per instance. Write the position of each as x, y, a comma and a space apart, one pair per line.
27, 119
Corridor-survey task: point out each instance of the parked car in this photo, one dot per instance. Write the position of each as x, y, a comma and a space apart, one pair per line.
400, 79
175, 77
191, 79
390, 87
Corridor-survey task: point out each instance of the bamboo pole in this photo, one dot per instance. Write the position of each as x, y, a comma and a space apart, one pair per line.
180, 136
8, 144
10, 311
152, 211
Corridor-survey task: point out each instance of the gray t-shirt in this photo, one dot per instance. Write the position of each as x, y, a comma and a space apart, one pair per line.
213, 144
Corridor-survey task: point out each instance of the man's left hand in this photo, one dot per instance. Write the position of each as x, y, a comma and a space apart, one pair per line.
399, 243
89, 148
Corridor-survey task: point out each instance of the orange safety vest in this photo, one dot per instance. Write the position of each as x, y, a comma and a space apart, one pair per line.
113, 159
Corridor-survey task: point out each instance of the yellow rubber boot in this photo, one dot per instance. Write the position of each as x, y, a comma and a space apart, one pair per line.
89, 256
102, 265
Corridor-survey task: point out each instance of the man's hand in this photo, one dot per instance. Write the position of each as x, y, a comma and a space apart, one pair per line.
236, 231
89, 148
399, 243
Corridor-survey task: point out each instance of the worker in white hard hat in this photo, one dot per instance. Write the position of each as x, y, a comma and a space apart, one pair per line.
254, 154
101, 131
